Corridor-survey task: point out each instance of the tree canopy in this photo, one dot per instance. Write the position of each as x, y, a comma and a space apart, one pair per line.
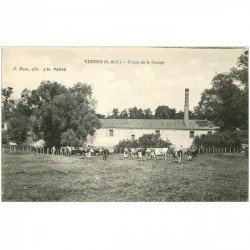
59, 115
226, 102
161, 112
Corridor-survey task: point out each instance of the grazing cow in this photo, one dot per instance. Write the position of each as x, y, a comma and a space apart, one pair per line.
81, 152
134, 151
160, 152
67, 150
61, 150
148, 151
38, 145
111, 150
95, 151
98, 151
192, 152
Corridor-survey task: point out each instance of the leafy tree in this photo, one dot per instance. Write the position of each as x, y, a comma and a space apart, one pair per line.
193, 115
57, 114
115, 113
148, 114
124, 114
222, 139
135, 113
18, 128
7, 104
70, 137
45, 93
222, 104
164, 112
71, 113
240, 73
100, 116
226, 102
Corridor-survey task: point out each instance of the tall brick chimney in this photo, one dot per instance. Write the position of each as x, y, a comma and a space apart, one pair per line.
186, 108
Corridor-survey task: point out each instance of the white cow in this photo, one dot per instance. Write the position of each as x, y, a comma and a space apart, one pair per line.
38, 145
160, 152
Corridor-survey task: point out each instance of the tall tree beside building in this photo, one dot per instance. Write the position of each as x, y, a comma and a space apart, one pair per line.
56, 114
226, 102
70, 115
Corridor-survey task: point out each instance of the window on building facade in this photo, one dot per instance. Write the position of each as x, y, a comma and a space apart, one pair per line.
157, 132
132, 137
191, 134
111, 132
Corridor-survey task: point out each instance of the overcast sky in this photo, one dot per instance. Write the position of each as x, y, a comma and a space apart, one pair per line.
121, 85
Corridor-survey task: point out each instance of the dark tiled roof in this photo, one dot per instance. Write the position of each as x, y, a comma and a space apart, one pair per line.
156, 124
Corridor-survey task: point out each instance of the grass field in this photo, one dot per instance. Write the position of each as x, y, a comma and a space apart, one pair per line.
58, 178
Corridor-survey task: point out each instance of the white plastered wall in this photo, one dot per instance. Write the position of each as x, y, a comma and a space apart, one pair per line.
176, 137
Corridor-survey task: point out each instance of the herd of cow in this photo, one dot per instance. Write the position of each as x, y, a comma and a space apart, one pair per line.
156, 153
141, 153
82, 152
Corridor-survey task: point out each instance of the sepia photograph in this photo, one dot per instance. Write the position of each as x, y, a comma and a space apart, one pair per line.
124, 124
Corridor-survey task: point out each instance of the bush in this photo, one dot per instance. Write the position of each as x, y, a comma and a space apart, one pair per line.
127, 144
18, 128
145, 141
222, 139
153, 141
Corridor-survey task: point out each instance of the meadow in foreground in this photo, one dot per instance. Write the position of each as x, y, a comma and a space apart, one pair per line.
59, 178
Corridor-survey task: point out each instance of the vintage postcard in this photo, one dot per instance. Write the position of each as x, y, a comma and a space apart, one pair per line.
124, 124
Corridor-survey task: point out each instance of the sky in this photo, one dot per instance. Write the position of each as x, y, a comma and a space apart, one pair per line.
125, 85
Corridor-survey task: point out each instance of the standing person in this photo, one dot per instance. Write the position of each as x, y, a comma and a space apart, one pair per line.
105, 154
53, 150
152, 154
180, 153
125, 154
129, 153
143, 154
140, 154
88, 153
